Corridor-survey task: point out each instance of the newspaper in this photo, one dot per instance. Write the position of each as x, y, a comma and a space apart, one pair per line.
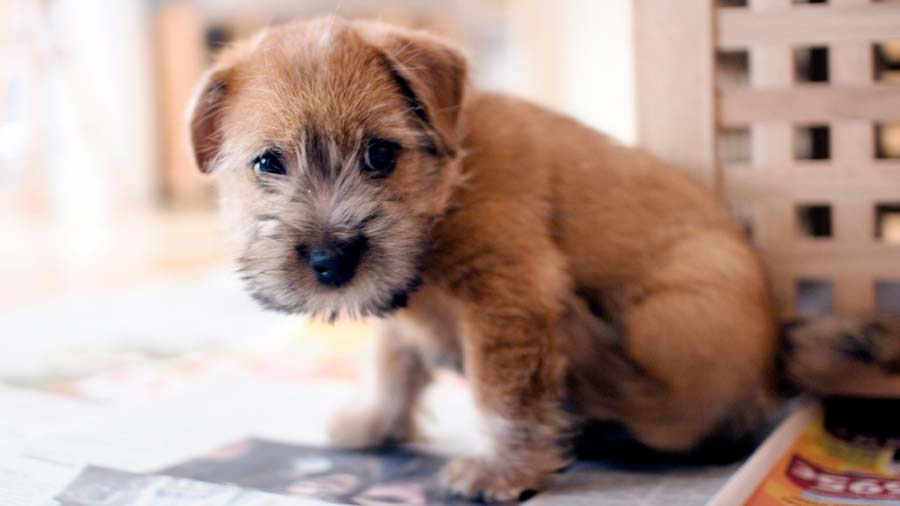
344, 477
32, 481
143, 386
107, 487
47, 439
58, 438
404, 477
845, 454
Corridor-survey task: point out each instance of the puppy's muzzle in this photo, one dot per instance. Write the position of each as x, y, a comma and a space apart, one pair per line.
335, 263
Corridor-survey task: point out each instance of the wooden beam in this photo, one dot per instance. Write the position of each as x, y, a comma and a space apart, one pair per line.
807, 24
814, 181
675, 62
809, 103
181, 53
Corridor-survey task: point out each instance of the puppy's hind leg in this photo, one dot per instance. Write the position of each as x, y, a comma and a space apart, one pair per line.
623, 407
678, 368
385, 418
603, 380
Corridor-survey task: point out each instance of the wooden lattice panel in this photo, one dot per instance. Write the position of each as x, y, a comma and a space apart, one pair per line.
800, 117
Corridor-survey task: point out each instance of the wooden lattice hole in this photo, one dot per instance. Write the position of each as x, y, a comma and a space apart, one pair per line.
886, 59
733, 67
217, 36
814, 297
887, 222
812, 142
811, 64
887, 297
743, 213
814, 220
732, 3
887, 140
805, 2
734, 145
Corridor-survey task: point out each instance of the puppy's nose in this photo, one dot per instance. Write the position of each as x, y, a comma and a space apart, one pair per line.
335, 264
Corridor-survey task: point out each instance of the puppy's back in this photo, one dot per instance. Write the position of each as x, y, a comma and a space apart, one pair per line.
612, 209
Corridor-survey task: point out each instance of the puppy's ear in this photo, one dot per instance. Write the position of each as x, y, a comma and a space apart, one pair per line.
204, 115
430, 73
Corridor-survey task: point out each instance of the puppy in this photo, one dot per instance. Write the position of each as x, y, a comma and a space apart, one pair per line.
568, 277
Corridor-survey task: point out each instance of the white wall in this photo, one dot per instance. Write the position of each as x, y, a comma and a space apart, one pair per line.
101, 86
575, 56
597, 68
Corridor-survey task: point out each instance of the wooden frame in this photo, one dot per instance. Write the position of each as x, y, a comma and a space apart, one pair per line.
682, 112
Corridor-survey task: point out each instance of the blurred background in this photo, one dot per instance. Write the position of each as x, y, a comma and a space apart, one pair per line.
786, 107
97, 189
112, 255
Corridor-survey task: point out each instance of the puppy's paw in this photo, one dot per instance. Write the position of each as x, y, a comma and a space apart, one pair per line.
360, 427
490, 481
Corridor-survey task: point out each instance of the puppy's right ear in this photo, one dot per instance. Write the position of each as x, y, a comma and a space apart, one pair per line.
430, 72
204, 118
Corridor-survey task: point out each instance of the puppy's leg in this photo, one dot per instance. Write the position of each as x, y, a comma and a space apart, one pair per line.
387, 417
513, 360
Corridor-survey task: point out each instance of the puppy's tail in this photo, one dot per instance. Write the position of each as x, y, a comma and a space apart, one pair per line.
843, 355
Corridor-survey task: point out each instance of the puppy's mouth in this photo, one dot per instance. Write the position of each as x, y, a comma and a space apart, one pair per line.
353, 278
335, 264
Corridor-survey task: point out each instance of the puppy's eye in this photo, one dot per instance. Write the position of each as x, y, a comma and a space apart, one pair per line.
380, 157
268, 163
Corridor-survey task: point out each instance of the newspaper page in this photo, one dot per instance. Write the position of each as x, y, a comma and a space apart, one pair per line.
847, 454
154, 420
404, 477
177, 435
97, 486
32, 481
144, 387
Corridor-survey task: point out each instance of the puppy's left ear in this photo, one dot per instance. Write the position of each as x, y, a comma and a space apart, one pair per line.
430, 73
204, 112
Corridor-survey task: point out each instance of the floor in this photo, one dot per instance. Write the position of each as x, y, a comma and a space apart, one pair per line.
44, 258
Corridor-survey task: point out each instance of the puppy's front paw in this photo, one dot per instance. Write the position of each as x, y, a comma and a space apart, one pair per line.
361, 427
489, 481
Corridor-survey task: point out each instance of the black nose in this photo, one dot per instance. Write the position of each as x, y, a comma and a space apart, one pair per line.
334, 264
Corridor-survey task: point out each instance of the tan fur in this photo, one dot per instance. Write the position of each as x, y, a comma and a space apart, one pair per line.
556, 266
845, 355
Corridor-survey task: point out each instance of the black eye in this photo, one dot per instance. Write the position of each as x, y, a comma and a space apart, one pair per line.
268, 163
380, 157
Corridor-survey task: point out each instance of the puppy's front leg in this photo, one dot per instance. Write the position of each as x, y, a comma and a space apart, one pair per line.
513, 362
386, 417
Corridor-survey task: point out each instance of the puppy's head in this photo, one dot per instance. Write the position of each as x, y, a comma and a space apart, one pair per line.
335, 147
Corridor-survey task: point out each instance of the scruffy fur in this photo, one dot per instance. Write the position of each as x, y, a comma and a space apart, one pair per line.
569, 277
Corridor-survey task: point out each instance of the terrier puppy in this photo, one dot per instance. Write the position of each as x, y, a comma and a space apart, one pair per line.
569, 277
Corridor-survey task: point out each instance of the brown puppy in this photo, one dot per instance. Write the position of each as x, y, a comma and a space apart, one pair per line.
555, 267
